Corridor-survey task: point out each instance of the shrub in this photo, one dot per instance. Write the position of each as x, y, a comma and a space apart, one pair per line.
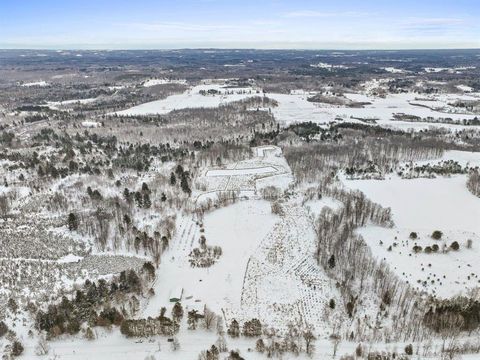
455, 246
331, 304
409, 349
359, 350
260, 346
17, 348
252, 328
437, 235
413, 235
417, 249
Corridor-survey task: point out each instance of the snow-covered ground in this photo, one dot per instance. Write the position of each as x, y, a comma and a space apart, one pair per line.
57, 104
237, 229
90, 124
246, 171
41, 83
154, 82
283, 283
394, 70
192, 98
111, 345
442, 273
294, 108
464, 158
465, 88
316, 206
444, 203
264, 270
266, 168
423, 206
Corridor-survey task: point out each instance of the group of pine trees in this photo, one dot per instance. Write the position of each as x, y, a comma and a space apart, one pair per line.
183, 179
141, 198
92, 305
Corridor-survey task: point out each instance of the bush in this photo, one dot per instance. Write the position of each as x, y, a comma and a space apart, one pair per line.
455, 246
252, 328
437, 235
409, 349
17, 348
260, 346
417, 249
413, 235
277, 208
331, 304
359, 351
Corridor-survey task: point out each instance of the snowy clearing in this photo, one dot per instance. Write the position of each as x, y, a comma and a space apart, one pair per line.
192, 98
445, 205
41, 83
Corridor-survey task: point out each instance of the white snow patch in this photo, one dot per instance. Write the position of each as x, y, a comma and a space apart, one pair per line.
153, 82
41, 83
192, 98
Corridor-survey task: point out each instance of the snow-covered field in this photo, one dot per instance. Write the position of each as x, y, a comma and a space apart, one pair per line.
283, 283
294, 108
437, 200
444, 273
41, 83
261, 254
154, 82
58, 104
112, 345
238, 229
246, 171
423, 206
463, 158
192, 98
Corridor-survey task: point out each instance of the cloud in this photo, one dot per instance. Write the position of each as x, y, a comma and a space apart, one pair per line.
321, 14
435, 21
180, 26
433, 26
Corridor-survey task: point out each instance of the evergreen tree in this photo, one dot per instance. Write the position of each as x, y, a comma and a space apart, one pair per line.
173, 179
138, 199
331, 262
127, 195
177, 311
146, 201
184, 185
234, 329
145, 188
72, 222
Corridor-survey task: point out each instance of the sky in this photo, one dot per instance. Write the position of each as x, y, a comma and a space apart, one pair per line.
272, 24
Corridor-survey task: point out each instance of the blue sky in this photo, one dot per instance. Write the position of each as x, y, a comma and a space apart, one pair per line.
149, 24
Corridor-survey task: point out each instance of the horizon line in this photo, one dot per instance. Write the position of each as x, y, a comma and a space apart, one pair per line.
236, 48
